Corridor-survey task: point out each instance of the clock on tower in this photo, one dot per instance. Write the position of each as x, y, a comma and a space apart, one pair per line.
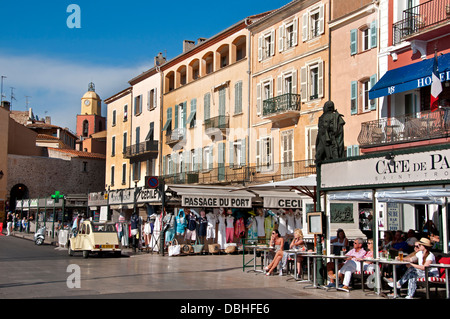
91, 104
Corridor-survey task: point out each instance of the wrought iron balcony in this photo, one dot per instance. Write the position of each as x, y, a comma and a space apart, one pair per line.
147, 148
220, 122
281, 107
424, 126
420, 18
247, 174
175, 136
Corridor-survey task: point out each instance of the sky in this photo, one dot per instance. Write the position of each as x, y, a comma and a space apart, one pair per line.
50, 51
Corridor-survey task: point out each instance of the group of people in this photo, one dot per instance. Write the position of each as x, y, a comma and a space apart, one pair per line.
15, 223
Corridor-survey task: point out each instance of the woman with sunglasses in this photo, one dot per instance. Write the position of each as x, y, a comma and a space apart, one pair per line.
416, 269
278, 242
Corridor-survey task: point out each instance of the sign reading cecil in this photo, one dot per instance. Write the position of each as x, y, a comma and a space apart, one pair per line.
276, 202
404, 168
216, 201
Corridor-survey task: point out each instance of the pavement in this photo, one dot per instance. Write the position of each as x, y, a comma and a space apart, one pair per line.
291, 286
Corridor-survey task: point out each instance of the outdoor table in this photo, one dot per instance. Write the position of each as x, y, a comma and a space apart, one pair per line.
394, 263
336, 272
265, 250
314, 283
446, 268
302, 253
376, 272
254, 247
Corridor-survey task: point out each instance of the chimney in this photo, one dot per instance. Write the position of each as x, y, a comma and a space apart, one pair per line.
48, 120
201, 40
188, 45
160, 59
6, 105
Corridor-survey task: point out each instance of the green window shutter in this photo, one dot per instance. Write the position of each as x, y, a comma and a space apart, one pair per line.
164, 165
373, 81
184, 114
373, 34
176, 116
354, 97
222, 100
238, 97
207, 103
231, 157
353, 41
243, 151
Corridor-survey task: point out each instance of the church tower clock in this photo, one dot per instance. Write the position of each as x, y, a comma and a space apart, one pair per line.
90, 120
91, 104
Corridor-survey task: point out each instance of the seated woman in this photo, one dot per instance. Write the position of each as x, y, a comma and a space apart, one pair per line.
416, 269
354, 265
340, 242
299, 244
278, 242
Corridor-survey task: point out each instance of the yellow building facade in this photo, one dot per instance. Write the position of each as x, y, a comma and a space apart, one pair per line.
290, 53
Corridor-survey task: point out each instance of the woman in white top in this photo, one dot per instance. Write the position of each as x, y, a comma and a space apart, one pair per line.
416, 269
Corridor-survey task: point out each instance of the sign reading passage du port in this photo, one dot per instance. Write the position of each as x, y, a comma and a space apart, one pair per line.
151, 182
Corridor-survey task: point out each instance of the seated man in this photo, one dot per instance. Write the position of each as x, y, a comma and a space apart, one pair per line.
355, 253
354, 264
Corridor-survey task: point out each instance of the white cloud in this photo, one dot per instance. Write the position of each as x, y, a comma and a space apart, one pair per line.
56, 86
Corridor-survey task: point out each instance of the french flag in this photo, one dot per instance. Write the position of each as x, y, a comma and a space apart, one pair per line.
436, 86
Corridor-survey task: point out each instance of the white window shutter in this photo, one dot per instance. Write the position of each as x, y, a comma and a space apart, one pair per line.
305, 27
258, 155
304, 84
260, 47
321, 19
148, 100
281, 37
258, 99
279, 85
155, 98
295, 32
320, 80
211, 157
271, 89
271, 154
272, 43
294, 82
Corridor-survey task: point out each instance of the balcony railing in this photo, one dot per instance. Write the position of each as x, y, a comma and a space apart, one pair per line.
419, 18
424, 126
240, 174
221, 122
175, 136
282, 104
147, 147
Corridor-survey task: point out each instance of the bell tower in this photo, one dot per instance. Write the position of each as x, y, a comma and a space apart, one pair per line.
91, 104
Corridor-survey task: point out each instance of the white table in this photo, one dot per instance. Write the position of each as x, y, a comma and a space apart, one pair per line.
394, 263
297, 252
336, 266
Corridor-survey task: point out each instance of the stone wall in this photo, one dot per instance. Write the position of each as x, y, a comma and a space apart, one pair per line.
43, 175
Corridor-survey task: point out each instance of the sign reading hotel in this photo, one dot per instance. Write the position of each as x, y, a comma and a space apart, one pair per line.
216, 201
405, 168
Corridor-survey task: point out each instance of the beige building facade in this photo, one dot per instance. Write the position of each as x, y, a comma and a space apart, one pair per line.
4, 123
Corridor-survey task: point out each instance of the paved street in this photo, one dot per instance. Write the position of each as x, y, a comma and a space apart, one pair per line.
30, 271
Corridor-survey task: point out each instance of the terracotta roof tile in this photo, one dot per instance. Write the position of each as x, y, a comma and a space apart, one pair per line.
75, 153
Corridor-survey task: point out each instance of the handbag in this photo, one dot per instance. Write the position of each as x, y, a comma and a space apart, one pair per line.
186, 249
197, 247
213, 248
174, 249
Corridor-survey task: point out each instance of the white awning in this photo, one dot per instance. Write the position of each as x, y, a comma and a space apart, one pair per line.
279, 199
423, 196
357, 196
212, 196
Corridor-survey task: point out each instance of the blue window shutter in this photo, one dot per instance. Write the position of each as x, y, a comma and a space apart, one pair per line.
353, 41
373, 34
373, 81
354, 97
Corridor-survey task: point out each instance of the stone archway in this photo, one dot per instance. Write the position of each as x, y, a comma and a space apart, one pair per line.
18, 192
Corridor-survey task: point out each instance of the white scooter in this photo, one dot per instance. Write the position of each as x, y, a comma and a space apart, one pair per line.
39, 236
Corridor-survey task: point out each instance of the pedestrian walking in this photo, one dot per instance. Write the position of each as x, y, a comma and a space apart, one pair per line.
9, 224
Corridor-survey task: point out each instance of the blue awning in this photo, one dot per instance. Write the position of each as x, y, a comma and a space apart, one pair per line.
410, 77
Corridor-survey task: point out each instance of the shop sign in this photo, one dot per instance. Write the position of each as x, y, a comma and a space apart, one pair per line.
277, 202
393, 216
216, 201
404, 168
148, 195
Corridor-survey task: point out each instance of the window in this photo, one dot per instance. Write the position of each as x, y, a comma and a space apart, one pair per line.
193, 115
365, 39
288, 35
264, 91
180, 115
287, 83
352, 150
151, 133
238, 97
112, 176
264, 154
114, 118
222, 100
313, 23
266, 45
137, 171
124, 173
113, 146
138, 105
237, 153
125, 112
312, 81
359, 95
85, 128
124, 143
367, 35
208, 158
151, 99
311, 137
85, 166
365, 86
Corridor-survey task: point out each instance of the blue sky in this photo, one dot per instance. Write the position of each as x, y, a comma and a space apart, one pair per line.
52, 64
